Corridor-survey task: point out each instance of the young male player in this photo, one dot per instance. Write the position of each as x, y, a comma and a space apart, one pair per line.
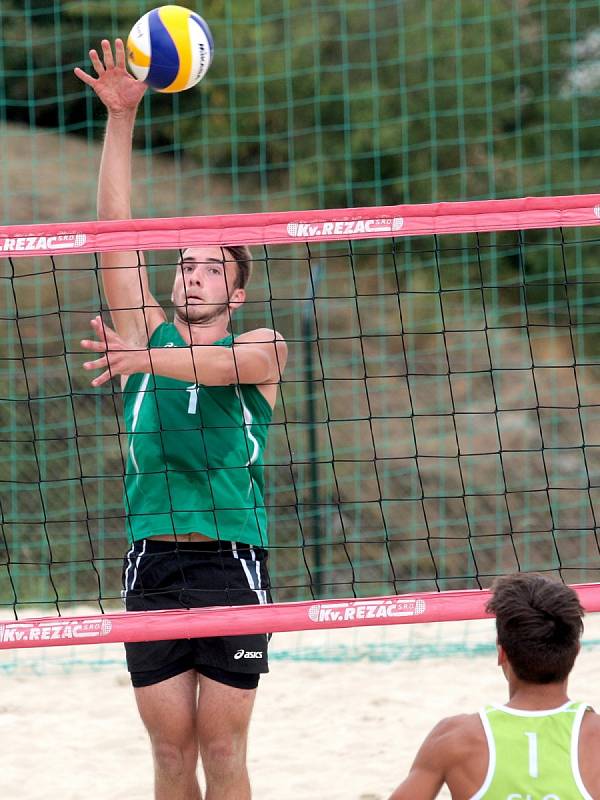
197, 407
540, 745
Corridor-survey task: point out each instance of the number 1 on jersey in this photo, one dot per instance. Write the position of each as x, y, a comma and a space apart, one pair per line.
193, 403
533, 754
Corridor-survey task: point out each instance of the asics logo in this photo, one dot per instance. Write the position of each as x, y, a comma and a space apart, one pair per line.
248, 654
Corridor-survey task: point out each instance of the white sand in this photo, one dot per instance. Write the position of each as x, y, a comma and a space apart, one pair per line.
321, 731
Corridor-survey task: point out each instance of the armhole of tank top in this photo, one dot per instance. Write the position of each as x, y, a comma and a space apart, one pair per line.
583, 707
156, 335
481, 792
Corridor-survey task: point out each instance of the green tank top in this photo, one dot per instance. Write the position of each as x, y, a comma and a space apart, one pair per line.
195, 455
533, 754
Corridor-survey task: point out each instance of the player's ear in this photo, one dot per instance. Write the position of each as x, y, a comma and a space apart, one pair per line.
237, 298
501, 654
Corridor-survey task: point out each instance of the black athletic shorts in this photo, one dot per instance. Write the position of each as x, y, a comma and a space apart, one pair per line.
167, 575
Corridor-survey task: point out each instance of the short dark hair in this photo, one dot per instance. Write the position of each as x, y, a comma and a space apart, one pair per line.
539, 625
243, 257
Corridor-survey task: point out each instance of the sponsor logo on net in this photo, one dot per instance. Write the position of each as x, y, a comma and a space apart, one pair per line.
303, 230
366, 609
56, 629
30, 244
248, 654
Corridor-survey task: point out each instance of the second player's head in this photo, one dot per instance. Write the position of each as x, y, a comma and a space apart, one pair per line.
210, 281
539, 625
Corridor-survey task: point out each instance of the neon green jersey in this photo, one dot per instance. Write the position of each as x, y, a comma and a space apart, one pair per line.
195, 455
533, 755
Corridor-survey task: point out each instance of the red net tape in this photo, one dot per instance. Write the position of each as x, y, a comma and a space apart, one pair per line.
276, 618
286, 227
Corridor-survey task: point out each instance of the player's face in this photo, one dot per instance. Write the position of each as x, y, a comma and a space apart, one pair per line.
204, 285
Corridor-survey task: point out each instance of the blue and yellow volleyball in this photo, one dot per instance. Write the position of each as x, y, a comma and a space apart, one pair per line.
170, 48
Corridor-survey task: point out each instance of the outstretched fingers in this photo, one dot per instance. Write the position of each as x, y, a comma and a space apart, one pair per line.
100, 346
83, 76
101, 65
120, 53
95, 347
109, 62
116, 356
104, 378
97, 63
100, 363
101, 329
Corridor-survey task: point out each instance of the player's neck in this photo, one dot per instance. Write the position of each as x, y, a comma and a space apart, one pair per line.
536, 696
197, 333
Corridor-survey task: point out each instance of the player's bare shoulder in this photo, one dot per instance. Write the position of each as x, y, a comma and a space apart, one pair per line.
591, 722
271, 343
589, 752
458, 735
260, 336
463, 752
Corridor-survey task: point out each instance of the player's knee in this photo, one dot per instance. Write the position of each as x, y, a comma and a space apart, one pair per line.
174, 759
224, 758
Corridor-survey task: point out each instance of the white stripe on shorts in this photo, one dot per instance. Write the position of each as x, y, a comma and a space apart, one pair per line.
254, 582
128, 588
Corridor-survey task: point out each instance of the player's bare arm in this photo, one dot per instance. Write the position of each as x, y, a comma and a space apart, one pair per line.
589, 752
455, 753
426, 775
135, 312
257, 357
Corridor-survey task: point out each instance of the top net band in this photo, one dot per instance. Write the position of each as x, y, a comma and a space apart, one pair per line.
287, 227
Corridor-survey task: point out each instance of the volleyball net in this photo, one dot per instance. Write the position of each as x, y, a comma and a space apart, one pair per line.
438, 423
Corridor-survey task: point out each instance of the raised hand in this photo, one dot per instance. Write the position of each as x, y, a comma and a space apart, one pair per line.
119, 357
117, 89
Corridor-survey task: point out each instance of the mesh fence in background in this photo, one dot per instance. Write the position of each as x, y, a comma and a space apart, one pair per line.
311, 105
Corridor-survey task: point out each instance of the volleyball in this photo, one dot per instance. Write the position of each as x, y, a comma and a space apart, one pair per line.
170, 48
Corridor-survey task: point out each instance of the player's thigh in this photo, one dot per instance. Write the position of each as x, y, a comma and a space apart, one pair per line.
168, 709
224, 712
